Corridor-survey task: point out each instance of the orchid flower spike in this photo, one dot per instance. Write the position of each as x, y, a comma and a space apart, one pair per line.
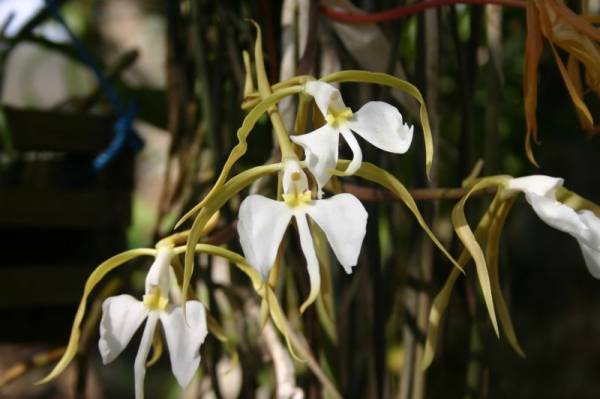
377, 122
540, 193
263, 222
122, 315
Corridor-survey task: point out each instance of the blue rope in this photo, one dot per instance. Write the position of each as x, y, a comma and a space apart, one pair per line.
125, 133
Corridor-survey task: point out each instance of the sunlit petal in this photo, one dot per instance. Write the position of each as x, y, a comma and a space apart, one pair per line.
381, 125
139, 367
262, 223
121, 317
184, 340
343, 219
312, 263
536, 184
321, 152
326, 96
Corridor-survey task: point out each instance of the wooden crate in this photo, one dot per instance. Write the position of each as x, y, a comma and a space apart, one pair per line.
57, 220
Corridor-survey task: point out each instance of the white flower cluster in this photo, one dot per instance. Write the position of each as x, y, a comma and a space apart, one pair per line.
343, 219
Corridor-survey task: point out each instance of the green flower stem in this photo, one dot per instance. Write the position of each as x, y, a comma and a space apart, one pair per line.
264, 88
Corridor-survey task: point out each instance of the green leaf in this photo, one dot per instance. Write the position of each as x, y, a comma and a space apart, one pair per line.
97, 275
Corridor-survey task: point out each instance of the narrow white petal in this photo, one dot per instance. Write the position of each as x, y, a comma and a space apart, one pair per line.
139, 367
184, 340
381, 125
321, 152
556, 214
356, 161
326, 96
262, 223
590, 242
158, 275
343, 219
312, 263
121, 317
536, 184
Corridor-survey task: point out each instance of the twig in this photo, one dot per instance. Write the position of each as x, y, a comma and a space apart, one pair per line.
37, 360
401, 12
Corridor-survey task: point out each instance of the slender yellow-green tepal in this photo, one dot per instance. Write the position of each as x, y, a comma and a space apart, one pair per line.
442, 299
492, 256
396, 83
466, 236
240, 148
257, 283
97, 275
370, 172
576, 201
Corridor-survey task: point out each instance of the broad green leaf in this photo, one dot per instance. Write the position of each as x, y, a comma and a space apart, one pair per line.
391, 81
97, 275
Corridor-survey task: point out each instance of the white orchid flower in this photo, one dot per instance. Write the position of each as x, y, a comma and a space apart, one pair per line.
377, 122
584, 225
263, 222
122, 315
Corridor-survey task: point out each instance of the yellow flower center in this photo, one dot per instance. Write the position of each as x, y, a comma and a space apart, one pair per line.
336, 118
155, 301
297, 199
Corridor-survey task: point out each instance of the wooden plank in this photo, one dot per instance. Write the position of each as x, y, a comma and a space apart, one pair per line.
37, 130
78, 208
28, 286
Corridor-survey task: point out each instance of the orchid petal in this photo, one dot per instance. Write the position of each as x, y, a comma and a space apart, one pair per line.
294, 179
590, 243
326, 96
140, 359
537, 184
356, 161
184, 340
343, 219
381, 125
262, 223
121, 317
556, 214
312, 263
158, 275
321, 152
